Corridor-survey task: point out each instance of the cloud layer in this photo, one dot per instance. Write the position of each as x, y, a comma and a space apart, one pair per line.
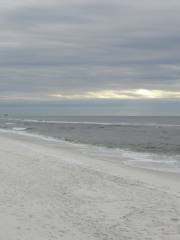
78, 49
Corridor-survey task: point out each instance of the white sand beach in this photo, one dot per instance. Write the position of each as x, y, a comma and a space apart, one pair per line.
56, 191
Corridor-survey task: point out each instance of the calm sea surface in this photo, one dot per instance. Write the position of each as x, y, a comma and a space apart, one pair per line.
141, 139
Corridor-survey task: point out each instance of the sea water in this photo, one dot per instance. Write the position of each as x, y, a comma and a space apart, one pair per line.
142, 141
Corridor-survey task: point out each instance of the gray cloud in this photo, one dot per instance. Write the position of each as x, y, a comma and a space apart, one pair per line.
79, 46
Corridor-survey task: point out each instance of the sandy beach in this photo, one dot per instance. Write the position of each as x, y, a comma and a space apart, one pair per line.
56, 190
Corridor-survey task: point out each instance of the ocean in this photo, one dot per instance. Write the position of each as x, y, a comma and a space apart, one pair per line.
152, 142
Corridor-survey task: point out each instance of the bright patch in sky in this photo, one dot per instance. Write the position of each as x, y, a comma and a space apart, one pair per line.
124, 94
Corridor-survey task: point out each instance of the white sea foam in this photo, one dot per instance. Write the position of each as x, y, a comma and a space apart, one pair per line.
9, 123
138, 124
19, 129
22, 131
150, 157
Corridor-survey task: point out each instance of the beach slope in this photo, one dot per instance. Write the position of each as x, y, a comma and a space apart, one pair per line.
54, 190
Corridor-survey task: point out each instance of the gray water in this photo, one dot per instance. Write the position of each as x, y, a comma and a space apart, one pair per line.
150, 139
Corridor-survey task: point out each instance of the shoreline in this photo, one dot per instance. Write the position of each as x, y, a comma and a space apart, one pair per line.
55, 190
170, 166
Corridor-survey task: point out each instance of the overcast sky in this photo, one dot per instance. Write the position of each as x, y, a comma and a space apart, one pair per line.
117, 53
